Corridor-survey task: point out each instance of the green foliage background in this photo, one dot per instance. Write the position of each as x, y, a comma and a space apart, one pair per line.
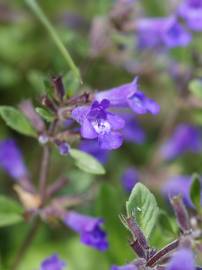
27, 55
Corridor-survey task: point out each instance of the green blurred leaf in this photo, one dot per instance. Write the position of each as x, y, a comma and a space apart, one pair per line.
71, 84
195, 191
47, 115
79, 181
165, 222
86, 162
10, 211
195, 87
9, 76
16, 120
109, 202
143, 206
36, 79
197, 117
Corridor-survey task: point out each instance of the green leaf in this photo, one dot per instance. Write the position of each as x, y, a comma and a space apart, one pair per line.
165, 222
86, 162
195, 191
16, 120
143, 206
195, 87
48, 116
10, 211
71, 84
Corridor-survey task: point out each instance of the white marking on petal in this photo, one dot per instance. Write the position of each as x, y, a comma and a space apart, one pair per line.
101, 126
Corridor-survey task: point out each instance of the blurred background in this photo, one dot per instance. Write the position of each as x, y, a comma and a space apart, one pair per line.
28, 56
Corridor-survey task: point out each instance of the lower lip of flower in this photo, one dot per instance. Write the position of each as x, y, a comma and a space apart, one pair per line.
101, 126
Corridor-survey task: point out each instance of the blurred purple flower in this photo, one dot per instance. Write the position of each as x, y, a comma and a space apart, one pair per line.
179, 185
124, 267
63, 148
191, 11
159, 32
92, 147
129, 178
52, 263
182, 259
132, 131
129, 95
175, 35
186, 138
11, 159
97, 122
149, 32
89, 228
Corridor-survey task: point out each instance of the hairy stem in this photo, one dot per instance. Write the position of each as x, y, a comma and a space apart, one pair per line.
44, 172
25, 244
163, 252
44, 20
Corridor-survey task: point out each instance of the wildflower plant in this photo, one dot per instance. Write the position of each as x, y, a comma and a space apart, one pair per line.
142, 216
58, 123
83, 138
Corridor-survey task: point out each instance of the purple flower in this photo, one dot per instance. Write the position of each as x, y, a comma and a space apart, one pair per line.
132, 131
186, 138
182, 259
63, 148
159, 32
191, 11
89, 228
179, 185
11, 159
129, 178
175, 35
92, 147
129, 95
149, 32
124, 267
97, 122
52, 263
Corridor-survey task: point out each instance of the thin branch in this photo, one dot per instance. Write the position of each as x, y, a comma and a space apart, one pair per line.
161, 253
26, 243
56, 186
44, 20
44, 172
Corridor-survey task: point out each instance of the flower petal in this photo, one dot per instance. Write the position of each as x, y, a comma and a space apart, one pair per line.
111, 140
115, 121
87, 130
52, 263
118, 95
141, 104
182, 259
80, 113
11, 159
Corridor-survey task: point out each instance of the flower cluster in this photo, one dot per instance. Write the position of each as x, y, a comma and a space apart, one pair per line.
97, 122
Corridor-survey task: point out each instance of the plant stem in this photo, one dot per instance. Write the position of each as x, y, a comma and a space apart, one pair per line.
26, 243
161, 253
44, 20
44, 172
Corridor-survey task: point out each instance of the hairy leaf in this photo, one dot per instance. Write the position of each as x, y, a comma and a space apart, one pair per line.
195, 191
87, 162
10, 211
48, 116
16, 120
143, 206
